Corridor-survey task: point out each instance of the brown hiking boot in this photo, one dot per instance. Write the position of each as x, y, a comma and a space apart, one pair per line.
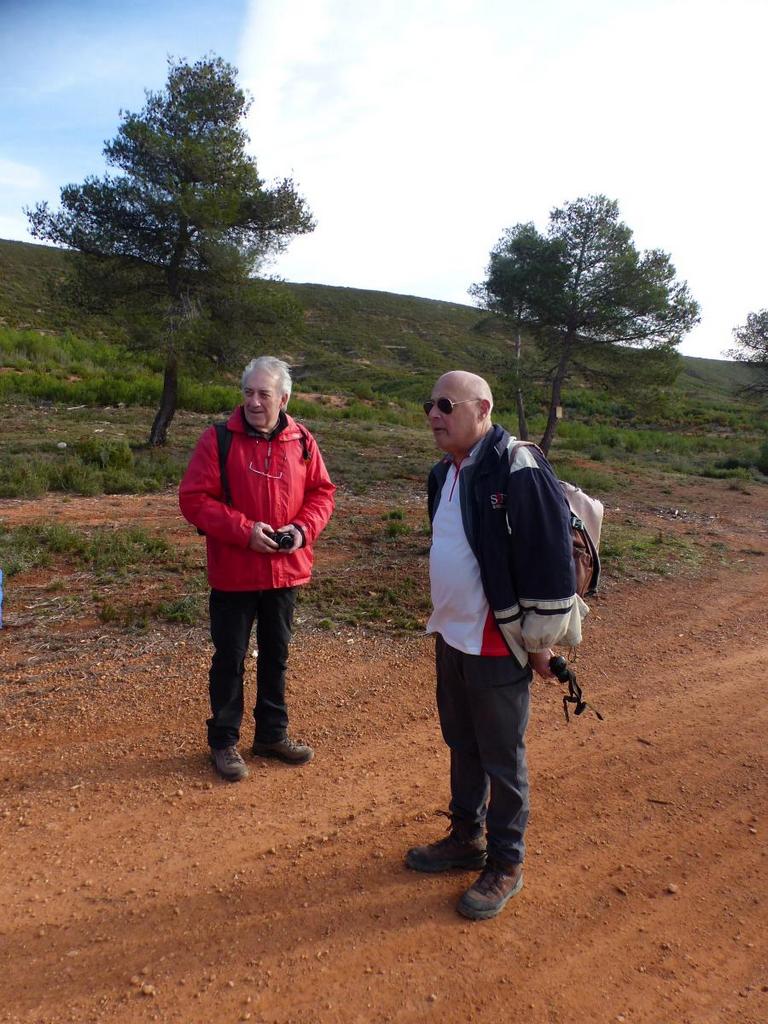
229, 764
286, 750
459, 849
491, 892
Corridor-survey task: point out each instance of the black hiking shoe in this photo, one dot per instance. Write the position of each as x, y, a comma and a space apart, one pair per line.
286, 750
491, 892
229, 764
459, 849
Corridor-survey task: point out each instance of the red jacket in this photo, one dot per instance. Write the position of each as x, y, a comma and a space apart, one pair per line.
270, 482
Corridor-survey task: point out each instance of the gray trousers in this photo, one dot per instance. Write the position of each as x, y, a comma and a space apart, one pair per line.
483, 705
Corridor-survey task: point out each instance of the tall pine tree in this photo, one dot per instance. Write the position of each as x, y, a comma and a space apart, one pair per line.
589, 297
174, 238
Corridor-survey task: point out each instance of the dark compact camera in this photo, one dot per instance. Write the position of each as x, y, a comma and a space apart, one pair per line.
284, 541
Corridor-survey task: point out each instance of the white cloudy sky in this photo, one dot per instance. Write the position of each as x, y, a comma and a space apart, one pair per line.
419, 130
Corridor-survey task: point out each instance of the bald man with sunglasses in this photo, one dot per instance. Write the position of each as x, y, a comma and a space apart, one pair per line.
503, 593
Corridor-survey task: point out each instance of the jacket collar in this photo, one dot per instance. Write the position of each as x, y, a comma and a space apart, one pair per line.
282, 423
495, 440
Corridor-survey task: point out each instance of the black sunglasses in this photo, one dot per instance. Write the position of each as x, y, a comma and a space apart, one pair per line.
445, 405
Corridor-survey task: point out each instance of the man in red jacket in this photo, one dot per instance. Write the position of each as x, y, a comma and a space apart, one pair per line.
259, 535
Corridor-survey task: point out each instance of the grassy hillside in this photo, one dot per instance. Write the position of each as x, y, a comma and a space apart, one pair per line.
29, 275
714, 376
353, 340
363, 361
390, 344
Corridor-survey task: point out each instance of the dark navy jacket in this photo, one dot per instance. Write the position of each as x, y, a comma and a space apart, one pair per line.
517, 522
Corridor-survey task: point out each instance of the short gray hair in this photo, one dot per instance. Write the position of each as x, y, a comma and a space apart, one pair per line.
276, 367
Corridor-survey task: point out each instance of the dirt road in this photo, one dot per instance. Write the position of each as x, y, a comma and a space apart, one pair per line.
137, 887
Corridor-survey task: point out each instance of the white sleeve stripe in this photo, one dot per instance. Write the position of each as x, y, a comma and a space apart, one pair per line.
508, 613
561, 604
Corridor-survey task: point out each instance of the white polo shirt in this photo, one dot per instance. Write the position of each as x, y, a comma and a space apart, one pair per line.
461, 614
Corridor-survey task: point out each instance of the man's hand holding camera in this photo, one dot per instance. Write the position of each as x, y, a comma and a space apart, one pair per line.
284, 540
539, 662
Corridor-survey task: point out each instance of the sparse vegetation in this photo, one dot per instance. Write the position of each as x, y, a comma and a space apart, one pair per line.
115, 561
627, 551
76, 406
88, 468
104, 550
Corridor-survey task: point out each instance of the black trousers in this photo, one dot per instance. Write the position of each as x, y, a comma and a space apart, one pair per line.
483, 705
232, 616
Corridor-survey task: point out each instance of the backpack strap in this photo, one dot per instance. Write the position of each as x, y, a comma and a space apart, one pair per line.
224, 443
305, 452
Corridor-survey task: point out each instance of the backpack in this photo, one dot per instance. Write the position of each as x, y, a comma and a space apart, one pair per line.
586, 524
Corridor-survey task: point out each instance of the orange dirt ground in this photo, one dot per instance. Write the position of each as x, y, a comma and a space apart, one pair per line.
136, 886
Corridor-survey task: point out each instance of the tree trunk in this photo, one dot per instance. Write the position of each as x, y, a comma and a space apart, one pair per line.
522, 424
158, 435
557, 385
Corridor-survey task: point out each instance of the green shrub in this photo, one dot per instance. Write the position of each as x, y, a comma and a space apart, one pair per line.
122, 481
22, 480
397, 529
76, 478
112, 453
133, 615
358, 411
21, 550
120, 550
62, 540
714, 473
188, 610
